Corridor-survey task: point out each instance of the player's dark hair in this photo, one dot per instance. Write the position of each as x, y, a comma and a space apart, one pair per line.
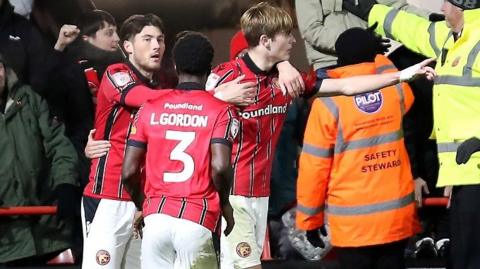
193, 54
92, 21
135, 24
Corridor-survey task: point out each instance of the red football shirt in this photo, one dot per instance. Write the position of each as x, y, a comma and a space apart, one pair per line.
122, 91
177, 131
260, 125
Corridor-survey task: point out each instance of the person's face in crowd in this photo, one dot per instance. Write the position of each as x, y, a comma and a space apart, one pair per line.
106, 38
2, 77
453, 16
146, 49
280, 46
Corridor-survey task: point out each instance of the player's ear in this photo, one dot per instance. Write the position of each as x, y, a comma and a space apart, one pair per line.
128, 46
265, 41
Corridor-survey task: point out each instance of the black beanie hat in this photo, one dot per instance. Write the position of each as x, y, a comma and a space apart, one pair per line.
466, 4
356, 45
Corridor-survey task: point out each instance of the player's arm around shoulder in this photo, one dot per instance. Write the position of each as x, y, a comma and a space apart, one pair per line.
125, 89
226, 83
116, 79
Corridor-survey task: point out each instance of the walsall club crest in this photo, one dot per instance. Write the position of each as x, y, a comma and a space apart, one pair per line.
103, 257
243, 249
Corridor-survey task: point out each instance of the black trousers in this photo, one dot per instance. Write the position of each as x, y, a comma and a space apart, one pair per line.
465, 227
387, 256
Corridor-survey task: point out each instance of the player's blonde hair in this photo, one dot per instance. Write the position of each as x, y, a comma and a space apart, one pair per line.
264, 19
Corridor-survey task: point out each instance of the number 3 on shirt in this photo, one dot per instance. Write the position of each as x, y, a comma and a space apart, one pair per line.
178, 154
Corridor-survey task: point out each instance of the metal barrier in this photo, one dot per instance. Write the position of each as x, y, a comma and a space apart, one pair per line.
28, 210
435, 201
64, 258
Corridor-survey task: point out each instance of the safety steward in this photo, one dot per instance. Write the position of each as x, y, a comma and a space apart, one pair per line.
354, 165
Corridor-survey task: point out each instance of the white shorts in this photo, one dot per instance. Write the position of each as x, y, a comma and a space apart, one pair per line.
108, 239
243, 247
170, 242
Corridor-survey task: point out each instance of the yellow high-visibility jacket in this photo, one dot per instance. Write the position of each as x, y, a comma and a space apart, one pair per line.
456, 92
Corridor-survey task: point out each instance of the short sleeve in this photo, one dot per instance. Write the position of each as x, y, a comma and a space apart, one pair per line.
222, 73
138, 133
226, 127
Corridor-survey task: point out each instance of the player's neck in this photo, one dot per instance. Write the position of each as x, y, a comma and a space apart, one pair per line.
145, 73
260, 59
187, 78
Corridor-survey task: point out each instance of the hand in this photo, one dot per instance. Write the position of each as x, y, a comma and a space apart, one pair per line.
68, 33
466, 149
418, 70
420, 185
227, 213
359, 8
313, 236
234, 92
96, 148
290, 79
138, 225
68, 200
447, 192
381, 44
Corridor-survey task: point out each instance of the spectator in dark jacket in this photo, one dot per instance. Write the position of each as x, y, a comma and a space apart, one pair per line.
75, 82
25, 49
37, 168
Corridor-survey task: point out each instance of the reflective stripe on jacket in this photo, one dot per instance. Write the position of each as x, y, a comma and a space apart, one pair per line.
354, 164
456, 92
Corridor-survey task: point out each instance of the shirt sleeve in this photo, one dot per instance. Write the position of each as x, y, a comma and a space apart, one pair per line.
222, 73
313, 81
120, 87
403, 5
427, 38
226, 127
138, 133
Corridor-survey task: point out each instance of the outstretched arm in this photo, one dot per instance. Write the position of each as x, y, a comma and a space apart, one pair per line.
360, 84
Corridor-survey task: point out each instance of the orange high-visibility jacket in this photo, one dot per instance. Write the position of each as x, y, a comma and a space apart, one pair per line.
354, 165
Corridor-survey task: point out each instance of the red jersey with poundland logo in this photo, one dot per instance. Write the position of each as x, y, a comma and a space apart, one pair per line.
260, 125
122, 91
177, 132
